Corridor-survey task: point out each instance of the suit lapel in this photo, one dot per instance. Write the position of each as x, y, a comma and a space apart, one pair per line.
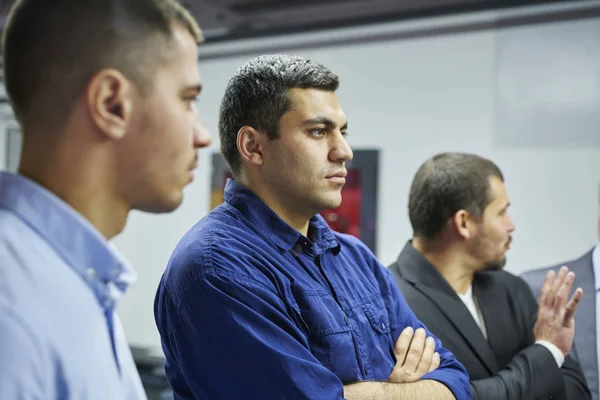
488, 296
415, 268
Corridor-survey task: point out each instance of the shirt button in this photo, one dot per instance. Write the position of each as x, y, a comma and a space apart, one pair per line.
90, 274
383, 326
346, 319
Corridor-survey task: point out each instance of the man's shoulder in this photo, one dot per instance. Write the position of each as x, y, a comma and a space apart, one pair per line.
539, 273
37, 283
506, 279
221, 243
221, 228
23, 252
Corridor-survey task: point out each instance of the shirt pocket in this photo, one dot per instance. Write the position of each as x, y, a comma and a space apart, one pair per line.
334, 348
330, 335
379, 334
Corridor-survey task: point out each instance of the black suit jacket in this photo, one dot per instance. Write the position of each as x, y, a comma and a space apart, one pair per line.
508, 365
585, 316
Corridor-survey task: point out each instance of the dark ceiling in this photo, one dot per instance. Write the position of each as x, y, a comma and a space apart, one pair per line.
233, 19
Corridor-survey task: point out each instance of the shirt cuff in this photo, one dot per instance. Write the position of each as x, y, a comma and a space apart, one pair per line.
556, 353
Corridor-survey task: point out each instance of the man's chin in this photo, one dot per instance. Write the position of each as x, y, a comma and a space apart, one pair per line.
162, 205
331, 205
335, 199
495, 265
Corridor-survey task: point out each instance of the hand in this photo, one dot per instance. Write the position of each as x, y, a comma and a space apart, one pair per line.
415, 356
555, 320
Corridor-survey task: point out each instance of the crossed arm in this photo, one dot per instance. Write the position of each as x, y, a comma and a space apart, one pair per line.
268, 355
415, 357
425, 389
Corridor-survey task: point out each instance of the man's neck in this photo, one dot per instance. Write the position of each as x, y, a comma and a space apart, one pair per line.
293, 218
80, 186
298, 222
448, 261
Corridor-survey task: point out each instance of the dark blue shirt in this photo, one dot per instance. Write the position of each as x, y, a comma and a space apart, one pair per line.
249, 308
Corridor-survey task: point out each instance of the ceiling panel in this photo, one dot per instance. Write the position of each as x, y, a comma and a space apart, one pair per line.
233, 19
244, 18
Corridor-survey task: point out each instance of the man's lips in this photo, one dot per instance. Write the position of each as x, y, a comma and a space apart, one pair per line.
338, 177
341, 174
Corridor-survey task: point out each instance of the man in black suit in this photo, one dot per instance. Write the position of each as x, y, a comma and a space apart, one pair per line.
587, 269
451, 275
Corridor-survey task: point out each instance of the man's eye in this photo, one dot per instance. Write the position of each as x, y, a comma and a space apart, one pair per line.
318, 132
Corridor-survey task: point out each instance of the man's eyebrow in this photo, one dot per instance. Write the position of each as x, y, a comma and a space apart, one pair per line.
328, 122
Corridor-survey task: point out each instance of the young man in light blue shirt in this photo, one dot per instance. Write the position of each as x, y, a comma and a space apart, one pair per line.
104, 94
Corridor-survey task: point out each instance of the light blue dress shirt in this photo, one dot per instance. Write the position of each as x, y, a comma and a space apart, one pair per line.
60, 337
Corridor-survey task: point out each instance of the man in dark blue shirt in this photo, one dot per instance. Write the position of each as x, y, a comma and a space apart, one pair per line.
261, 300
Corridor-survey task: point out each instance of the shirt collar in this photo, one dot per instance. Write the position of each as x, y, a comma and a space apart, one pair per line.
72, 236
273, 227
596, 265
468, 293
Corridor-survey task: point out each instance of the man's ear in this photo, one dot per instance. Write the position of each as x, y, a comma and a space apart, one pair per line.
250, 144
110, 102
463, 224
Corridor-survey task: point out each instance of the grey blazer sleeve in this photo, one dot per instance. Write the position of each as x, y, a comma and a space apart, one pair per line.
532, 374
575, 383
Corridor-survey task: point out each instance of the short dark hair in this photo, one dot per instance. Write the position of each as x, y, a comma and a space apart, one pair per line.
258, 96
445, 184
52, 48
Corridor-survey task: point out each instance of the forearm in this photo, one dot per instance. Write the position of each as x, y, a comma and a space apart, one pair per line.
531, 374
575, 383
425, 389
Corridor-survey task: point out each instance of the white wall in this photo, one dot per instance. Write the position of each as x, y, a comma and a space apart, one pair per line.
6, 122
3, 143
411, 98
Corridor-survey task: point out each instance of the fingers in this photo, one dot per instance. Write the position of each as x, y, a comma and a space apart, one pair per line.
415, 351
415, 356
402, 344
435, 362
560, 299
546, 286
426, 357
558, 281
572, 306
